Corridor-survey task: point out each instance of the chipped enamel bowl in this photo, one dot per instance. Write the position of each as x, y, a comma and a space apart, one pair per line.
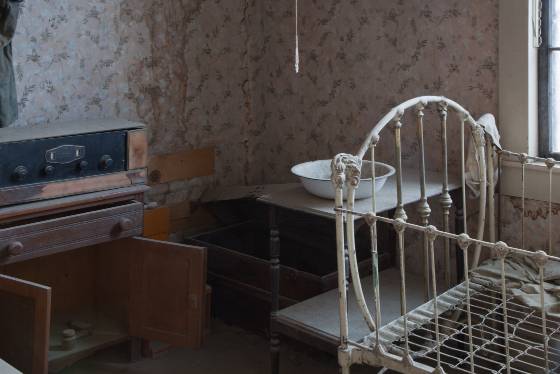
316, 178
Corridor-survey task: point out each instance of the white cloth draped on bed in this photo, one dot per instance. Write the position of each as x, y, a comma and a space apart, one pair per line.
522, 280
488, 122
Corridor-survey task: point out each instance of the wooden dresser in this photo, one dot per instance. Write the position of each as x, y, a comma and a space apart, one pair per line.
75, 275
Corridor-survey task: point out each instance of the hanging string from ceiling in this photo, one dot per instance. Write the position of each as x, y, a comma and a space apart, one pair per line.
537, 23
296, 63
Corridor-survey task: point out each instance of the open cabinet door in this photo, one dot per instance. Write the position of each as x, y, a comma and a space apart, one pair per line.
168, 282
25, 318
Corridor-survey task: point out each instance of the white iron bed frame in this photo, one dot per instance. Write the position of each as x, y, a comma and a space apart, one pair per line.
471, 327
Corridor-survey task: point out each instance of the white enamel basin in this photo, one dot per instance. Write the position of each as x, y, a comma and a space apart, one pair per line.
316, 178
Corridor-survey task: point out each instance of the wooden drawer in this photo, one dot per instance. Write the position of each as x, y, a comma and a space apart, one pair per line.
69, 231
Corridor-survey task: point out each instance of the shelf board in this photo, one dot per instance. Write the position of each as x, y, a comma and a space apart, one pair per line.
319, 315
105, 333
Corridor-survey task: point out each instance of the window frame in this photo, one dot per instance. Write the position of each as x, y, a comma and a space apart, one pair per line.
545, 125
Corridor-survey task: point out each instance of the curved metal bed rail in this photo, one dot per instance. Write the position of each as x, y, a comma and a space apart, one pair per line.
346, 170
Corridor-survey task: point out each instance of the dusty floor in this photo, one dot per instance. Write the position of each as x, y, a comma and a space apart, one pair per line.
227, 349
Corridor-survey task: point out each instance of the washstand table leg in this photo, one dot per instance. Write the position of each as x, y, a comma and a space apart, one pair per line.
274, 290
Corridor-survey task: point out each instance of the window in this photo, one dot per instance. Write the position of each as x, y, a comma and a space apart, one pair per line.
549, 80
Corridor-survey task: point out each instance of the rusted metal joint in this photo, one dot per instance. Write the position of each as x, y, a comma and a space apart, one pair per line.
501, 249
464, 241
399, 225
420, 106
431, 232
442, 108
550, 162
523, 158
370, 218
397, 118
374, 140
541, 258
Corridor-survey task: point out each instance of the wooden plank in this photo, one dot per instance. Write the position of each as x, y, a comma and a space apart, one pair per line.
72, 292
157, 222
168, 305
195, 224
181, 165
208, 310
162, 237
180, 210
53, 130
43, 191
45, 237
25, 323
64, 204
226, 193
137, 149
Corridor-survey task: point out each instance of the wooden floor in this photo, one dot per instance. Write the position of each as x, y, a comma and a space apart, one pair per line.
228, 349
235, 351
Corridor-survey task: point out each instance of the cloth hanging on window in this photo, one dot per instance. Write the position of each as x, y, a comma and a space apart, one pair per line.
9, 11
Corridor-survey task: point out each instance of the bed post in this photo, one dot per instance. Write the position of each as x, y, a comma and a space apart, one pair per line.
459, 229
478, 138
423, 208
353, 169
338, 170
445, 199
491, 203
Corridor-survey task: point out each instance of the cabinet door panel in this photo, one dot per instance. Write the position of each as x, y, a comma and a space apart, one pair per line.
24, 324
168, 283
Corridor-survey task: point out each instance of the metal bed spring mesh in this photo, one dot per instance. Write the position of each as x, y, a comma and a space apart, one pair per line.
437, 334
524, 325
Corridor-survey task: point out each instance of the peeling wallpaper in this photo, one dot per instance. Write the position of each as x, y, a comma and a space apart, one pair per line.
220, 72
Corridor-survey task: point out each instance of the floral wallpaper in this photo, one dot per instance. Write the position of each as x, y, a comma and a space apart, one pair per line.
220, 72
360, 58
536, 224
181, 67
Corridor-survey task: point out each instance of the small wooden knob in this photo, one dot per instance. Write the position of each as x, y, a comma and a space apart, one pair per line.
126, 224
15, 248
